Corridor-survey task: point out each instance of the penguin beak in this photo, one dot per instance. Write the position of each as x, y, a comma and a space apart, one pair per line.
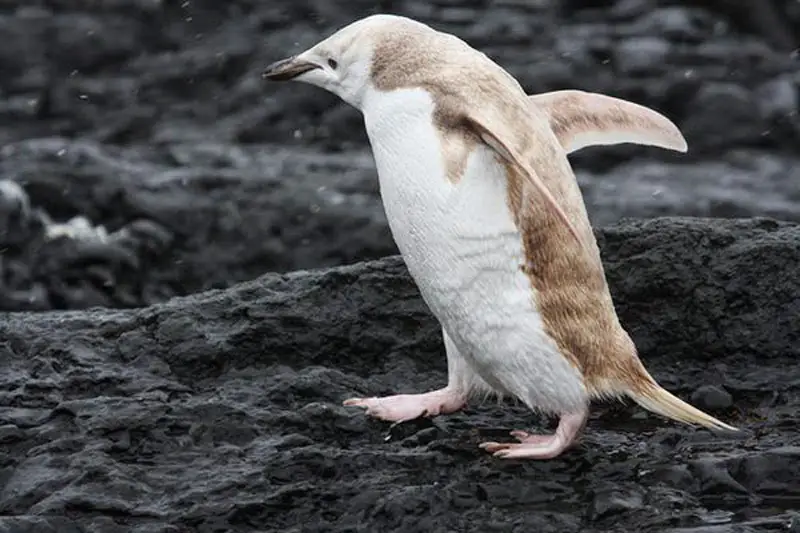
288, 69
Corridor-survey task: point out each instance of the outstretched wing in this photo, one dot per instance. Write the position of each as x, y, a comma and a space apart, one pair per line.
580, 119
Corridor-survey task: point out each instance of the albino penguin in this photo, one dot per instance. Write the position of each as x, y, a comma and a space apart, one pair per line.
488, 216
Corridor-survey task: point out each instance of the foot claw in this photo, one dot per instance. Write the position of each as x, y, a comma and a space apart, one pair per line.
533, 446
494, 446
531, 438
359, 402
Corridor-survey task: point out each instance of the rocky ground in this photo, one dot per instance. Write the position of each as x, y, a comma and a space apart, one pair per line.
143, 161
221, 411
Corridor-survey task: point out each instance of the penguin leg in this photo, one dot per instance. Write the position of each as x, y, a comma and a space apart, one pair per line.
570, 426
461, 381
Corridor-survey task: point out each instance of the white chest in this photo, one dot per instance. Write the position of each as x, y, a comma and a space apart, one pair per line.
458, 239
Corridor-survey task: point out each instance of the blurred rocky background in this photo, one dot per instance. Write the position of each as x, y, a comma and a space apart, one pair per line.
143, 158
150, 119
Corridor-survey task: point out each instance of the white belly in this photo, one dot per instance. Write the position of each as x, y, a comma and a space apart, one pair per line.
463, 250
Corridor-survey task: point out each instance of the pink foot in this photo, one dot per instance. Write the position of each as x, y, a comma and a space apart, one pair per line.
541, 446
403, 407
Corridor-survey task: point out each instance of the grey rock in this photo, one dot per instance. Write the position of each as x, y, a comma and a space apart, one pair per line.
675, 23
86, 42
127, 71
128, 112
628, 9
778, 98
223, 215
221, 410
723, 114
615, 501
190, 217
15, 214
723, 528
679, 24
457, 15
745, 183
10, 433
712, 398
38, 524
641, 55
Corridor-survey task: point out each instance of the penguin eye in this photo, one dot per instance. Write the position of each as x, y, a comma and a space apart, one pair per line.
333, 63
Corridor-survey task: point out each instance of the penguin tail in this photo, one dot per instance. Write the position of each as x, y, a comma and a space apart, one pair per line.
656, 399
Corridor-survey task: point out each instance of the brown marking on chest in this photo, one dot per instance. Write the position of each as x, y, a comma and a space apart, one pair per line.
456, 147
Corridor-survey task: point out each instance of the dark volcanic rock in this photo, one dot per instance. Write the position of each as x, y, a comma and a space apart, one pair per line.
145, 72
46, 264
221, 411
201, 215
190, 217
150, 117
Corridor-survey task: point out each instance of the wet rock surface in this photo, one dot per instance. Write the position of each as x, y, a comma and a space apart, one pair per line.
221, 411
142, 158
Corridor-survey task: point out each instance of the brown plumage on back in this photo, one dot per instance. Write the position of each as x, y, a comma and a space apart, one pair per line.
419, 57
